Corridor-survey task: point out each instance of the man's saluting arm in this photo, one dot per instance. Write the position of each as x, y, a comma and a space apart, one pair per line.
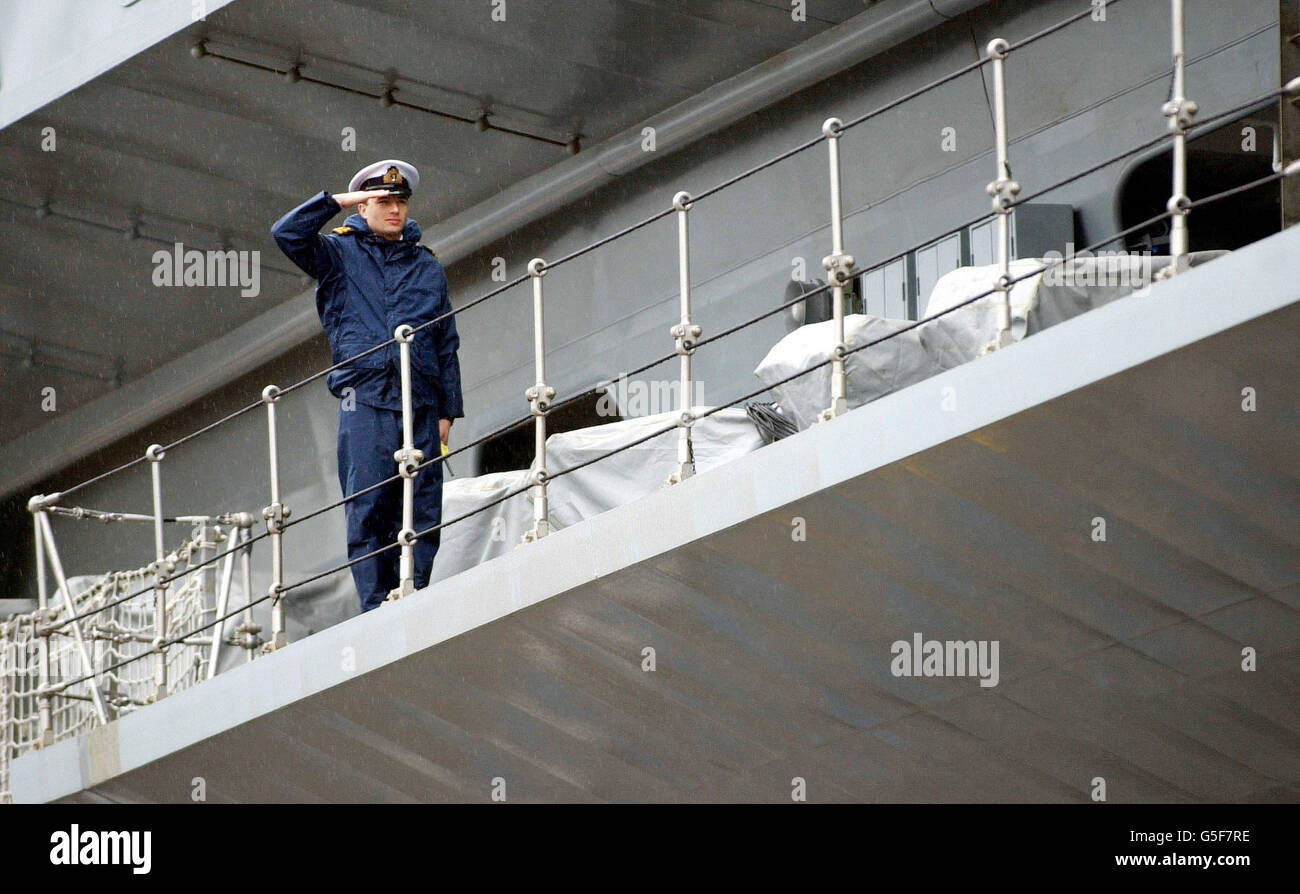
298, 232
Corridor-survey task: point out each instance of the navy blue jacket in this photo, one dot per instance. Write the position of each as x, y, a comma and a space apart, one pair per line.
366, 287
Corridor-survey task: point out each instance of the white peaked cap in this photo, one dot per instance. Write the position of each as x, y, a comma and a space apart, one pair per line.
406, 173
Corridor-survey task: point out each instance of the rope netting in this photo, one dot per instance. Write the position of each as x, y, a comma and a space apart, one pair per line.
121, 631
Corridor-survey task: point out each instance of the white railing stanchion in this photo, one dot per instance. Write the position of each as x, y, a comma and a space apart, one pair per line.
1003, 191
408, 459
1180, 111
247, 632
685, 334
839, 269
539, 397
275, 515
36, 506
240, 522
43, 519
161, 570
208, 570
225, 576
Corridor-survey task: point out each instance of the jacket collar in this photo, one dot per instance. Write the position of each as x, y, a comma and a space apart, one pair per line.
410, 233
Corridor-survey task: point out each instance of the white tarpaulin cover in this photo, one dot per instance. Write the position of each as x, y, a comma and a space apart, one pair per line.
1067, 290
870, 373
624, 477
489, 533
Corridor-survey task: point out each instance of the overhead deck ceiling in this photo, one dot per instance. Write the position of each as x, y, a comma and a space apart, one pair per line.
1120, 659
210, 152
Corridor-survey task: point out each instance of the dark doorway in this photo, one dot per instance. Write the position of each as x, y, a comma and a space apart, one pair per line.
514, 448
1229, 156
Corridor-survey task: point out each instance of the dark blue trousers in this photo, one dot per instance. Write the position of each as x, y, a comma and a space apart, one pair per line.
368, 437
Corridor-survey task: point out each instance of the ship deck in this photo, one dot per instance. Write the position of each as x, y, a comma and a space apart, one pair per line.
962, 514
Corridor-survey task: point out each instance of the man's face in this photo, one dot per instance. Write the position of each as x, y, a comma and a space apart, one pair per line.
386, 216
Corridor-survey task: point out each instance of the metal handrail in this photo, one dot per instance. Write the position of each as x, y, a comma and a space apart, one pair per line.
686, 334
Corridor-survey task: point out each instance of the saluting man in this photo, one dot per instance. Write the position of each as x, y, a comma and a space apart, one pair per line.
373, 275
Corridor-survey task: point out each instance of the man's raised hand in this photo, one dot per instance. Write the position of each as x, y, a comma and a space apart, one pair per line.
348, 199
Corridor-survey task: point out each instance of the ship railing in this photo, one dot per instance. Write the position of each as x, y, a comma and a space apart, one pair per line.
85, 675
82, 659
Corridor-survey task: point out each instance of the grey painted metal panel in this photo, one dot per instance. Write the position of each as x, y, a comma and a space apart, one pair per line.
1119, 659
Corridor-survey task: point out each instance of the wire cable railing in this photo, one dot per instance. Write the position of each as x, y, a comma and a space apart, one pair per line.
641, 440
1290, 170
687, 336
707, 340
582, 392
